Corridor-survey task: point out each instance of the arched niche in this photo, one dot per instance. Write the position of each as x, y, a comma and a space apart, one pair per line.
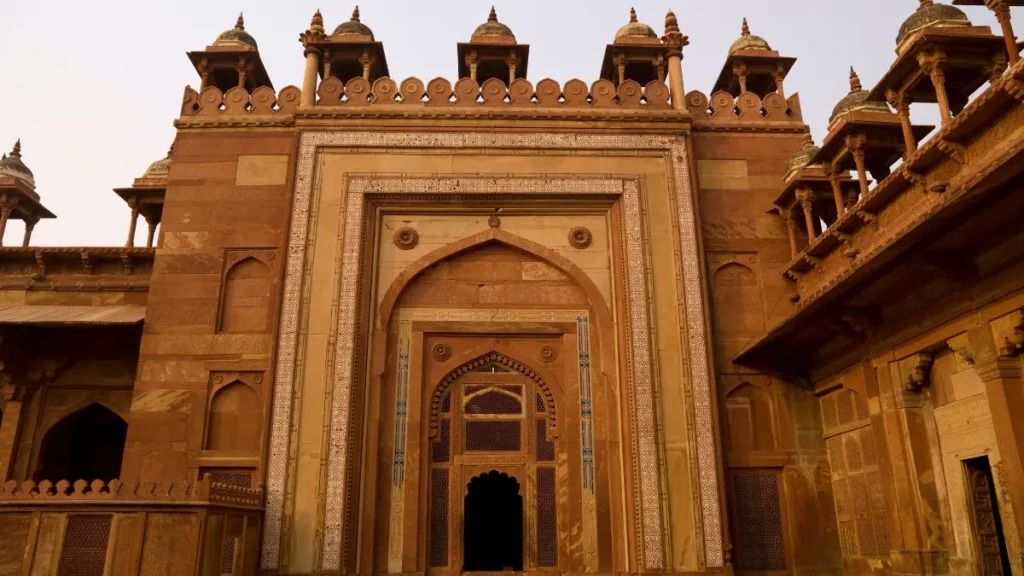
750, 418
85, 445
235, 420
248, 293
738, 305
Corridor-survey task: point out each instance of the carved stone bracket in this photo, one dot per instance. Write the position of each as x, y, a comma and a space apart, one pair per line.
957, 152
1008, 333
914, 371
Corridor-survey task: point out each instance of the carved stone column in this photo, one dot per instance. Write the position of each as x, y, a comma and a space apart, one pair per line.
996, 348
837, 193
512, 68
312, 54
934, 65
857, 149
151, 223
901, 102
1002, 10
7, 204
30, 225
675, 41
779, 78
134, 203
787, 217
806, 199
471, 61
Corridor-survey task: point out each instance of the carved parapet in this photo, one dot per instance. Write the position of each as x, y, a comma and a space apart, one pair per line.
64, 492
748, 107
239, 101
439, 92
75, 268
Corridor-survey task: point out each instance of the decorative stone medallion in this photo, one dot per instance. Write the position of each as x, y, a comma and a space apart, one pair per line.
580, 237
406, 238
494, 221
547, 354
442, 352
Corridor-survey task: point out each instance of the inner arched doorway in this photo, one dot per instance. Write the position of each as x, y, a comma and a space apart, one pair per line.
85, 445
493, 527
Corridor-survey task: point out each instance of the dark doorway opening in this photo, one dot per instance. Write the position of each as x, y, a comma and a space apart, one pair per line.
493, 528
988, 527
86, 445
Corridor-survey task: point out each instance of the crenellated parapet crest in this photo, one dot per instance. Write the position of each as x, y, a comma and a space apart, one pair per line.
723, 106
64, 492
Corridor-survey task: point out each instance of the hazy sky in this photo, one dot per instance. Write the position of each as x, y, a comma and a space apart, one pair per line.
92, 88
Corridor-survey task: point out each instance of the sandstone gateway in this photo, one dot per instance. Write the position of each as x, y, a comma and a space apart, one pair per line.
609, 327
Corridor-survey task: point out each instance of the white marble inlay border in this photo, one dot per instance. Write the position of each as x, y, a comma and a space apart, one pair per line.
287, 339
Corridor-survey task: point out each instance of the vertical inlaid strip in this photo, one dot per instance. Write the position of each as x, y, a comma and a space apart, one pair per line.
700, 371
640, 331
587, 443
397, 520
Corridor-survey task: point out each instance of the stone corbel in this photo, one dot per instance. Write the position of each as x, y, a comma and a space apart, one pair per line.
1008, 333
914, 371
916, 178
957, 152
40, 272
960, 345
1015, 88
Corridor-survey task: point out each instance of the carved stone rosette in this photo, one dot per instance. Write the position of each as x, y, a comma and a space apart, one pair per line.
442, 352
580, 237
547, 354
406, 238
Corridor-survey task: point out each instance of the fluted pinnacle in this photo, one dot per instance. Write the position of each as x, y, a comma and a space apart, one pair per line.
240, 23
355, 14
493, 16
16, 151
855, 85
632, 16
746, 28
317, 23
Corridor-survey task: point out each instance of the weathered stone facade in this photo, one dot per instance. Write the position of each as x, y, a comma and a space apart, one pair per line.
412, 327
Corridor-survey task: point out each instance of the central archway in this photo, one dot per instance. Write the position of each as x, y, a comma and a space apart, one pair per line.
493, 528
86, 445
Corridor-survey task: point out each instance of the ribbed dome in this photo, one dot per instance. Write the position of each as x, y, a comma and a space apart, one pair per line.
748, 41
353, 27
857, 99
159, 169
14, 167
634, 30
492, 29
930, 14
236, 36
803, 157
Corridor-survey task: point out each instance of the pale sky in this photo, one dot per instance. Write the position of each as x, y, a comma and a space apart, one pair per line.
92, 88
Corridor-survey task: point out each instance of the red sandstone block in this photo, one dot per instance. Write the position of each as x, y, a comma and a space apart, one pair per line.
202, 171
195, 263
227, 143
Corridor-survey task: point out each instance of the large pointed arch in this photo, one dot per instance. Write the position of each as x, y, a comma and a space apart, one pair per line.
499, 358
493, 236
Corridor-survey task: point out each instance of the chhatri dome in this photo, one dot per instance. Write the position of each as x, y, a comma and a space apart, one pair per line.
802, 157
748, 41
929, 14
14, 167
493, 31
159, 169
635, 31
856, 100
236, 36
353, 27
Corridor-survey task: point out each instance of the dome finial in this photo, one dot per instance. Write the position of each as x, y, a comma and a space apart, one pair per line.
671, 23
632, 16
316, 24
240, 23
16, 151
355, 14
925, 4
746, 28
855, 85
808, 141
493, 16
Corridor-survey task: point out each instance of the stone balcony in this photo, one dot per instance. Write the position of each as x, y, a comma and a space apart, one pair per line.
932, 198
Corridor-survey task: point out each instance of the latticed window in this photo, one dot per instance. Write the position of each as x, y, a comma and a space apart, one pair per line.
486, 415
856, 481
